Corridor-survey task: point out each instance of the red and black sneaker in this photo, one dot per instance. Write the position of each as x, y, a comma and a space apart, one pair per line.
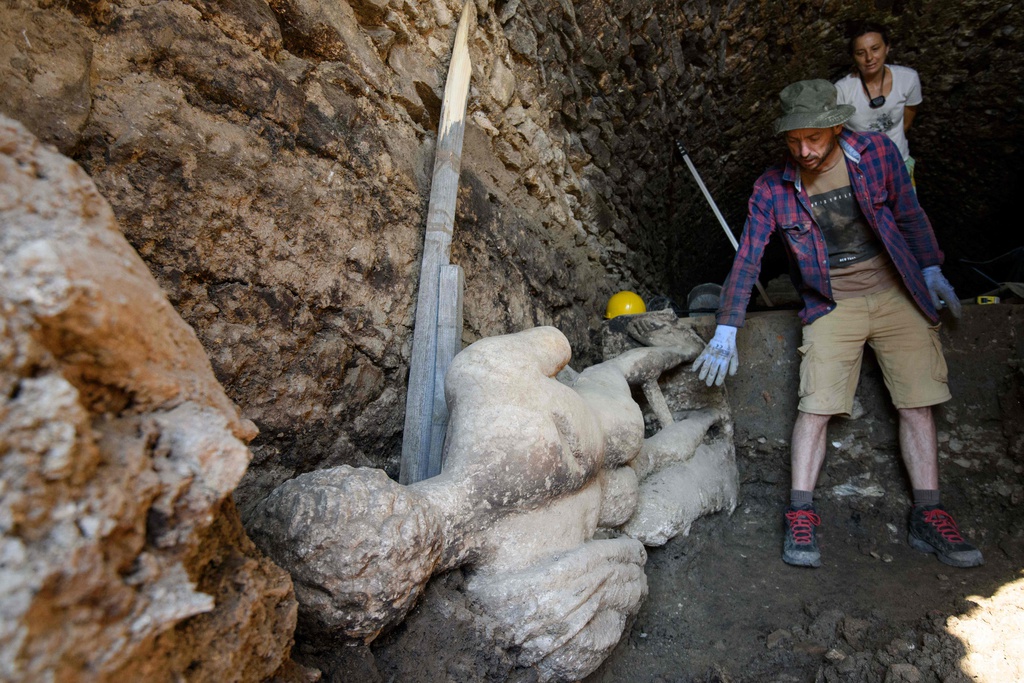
933, 530
800, 547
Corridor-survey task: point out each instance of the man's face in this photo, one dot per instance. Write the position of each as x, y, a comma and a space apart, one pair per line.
814, 148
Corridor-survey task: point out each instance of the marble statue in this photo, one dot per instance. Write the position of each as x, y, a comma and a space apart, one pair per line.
548, 494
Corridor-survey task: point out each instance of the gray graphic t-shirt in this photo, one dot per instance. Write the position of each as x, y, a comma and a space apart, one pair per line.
847, 234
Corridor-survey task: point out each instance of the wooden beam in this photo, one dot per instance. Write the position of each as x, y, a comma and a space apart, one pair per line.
419, 403
449, 343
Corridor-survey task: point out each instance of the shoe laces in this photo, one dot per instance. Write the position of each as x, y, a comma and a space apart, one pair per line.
944, 524
802, 522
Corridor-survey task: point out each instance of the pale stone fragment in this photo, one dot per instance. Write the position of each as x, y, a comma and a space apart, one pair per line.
673, 498
503, 83
675, 443
621, 492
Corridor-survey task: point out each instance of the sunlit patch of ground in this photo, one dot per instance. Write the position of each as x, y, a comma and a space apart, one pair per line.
994, 635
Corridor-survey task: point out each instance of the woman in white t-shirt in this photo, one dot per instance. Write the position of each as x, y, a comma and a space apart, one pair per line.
885, 96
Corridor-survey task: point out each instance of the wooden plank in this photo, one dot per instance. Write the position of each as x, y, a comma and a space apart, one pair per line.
419, 403
449, 343
419, 400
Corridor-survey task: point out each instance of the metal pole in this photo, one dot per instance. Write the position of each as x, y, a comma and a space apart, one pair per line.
718, 214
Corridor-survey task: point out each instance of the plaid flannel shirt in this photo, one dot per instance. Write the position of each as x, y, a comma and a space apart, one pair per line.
882, 187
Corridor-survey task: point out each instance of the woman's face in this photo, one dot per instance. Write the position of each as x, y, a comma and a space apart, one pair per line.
869, 53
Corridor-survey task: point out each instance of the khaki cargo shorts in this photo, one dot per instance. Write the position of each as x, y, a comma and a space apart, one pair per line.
905, 342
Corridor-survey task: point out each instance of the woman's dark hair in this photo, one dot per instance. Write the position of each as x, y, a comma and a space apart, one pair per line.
863, 27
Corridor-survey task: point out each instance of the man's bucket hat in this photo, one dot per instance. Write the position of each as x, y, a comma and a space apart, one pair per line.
811, 104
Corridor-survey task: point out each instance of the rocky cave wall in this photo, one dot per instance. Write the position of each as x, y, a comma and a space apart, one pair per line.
270, 162
122, 554
708, 73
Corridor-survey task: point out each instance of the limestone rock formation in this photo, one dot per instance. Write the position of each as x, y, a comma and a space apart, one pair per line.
122, 556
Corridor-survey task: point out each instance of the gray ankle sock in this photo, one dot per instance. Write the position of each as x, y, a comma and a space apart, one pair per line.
926, 496
798, 498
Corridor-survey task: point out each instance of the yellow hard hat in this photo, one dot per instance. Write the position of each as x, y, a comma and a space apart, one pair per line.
625, 303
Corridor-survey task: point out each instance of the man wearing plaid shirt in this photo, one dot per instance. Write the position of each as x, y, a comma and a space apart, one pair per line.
866, 264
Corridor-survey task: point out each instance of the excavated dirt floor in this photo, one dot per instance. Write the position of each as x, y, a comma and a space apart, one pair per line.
724, 607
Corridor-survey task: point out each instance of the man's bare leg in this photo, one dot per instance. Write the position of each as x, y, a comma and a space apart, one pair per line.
800, 546
808, 450
919, 447
932, 529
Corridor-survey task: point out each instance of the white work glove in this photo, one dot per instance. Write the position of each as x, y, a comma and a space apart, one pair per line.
718, 356
941, 290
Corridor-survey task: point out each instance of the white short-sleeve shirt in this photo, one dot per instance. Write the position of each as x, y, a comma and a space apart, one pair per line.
888, 119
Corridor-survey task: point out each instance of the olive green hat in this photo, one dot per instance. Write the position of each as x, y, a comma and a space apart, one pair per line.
811, 104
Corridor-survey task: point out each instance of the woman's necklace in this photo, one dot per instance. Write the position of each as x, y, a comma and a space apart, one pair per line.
874, 102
